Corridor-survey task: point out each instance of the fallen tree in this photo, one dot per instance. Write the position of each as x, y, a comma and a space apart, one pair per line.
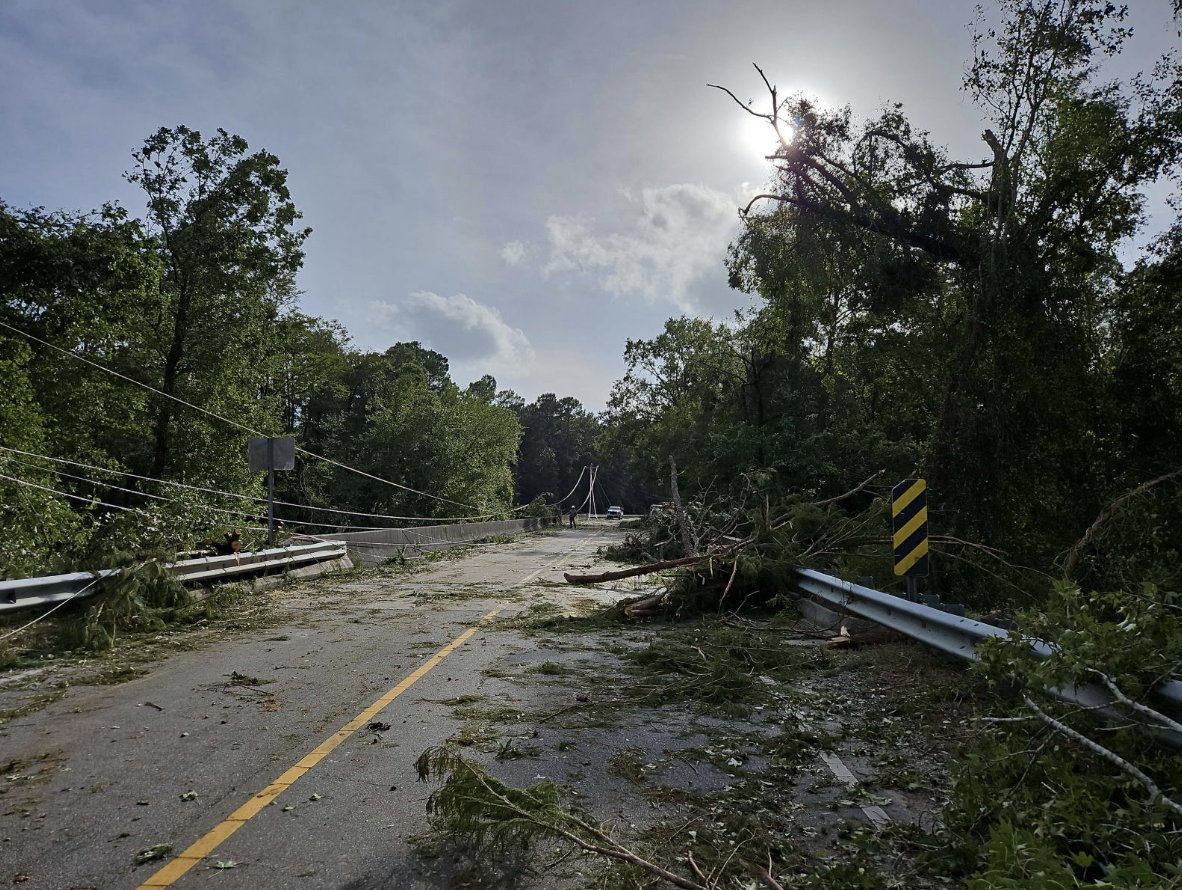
631, 573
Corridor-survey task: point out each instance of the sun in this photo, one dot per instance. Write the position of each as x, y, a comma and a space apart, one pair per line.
759, 138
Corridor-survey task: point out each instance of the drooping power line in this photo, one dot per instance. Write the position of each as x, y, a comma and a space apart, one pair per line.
234, 423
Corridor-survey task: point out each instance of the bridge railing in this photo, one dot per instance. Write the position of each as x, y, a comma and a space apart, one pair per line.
28, 593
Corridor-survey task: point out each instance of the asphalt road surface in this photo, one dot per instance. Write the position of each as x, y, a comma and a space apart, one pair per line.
254, 756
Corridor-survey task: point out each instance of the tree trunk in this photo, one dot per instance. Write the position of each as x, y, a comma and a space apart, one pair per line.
630, 573
172, 362
687, 537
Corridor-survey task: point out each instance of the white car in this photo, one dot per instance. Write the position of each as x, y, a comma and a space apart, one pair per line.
615, 513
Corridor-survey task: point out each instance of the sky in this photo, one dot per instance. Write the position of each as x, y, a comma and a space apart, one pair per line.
521, 185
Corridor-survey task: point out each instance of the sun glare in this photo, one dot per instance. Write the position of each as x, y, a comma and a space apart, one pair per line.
759, 138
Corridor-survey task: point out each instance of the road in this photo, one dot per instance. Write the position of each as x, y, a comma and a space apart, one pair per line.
255, 753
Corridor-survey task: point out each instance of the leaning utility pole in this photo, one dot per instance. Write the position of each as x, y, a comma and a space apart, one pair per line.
591, 494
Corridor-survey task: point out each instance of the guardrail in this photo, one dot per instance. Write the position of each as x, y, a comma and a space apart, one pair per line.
379, 545
958, 636
27, 593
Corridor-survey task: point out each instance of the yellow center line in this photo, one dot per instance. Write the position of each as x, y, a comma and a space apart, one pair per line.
178, 867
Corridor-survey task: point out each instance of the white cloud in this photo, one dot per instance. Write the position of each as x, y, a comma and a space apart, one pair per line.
679, 238
461, 328
513, 253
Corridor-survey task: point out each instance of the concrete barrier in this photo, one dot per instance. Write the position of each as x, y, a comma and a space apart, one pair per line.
374, 547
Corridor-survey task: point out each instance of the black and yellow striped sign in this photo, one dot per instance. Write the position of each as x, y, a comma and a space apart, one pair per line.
909, 513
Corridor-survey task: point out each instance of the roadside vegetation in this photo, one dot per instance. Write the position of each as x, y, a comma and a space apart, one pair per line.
998, 324
977, 322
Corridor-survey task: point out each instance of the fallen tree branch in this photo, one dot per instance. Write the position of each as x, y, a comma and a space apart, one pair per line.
1106, 516
851, 492
1144, 710
730, 581
765, 875
1155, 793
600, 843
647, 607
689, 541
631, 573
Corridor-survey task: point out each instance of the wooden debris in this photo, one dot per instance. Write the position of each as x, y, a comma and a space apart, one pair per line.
647, 607
630, 573
870, 637
842, 641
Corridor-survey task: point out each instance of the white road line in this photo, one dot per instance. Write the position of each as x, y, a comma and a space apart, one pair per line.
877, 816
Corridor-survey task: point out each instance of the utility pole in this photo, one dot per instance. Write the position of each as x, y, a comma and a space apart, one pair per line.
270, 492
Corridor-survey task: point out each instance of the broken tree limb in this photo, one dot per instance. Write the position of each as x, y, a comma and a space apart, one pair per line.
1155, 793
647, 607
730, 581
630, 573
688, 541
851, 492
1106, 517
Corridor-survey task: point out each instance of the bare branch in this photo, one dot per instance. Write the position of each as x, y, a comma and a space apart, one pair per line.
765, 875
746, 108
1134, 705
765, 197
771, 89
1106, 516
851, 492
1112, 757
727, 590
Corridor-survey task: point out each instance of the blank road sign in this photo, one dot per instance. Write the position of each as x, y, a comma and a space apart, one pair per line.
271, 454
909, 520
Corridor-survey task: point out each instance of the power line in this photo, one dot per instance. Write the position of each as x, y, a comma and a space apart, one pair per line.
95, 502
157, 497
74, 497
574, 487
70, 598
231, 494
234, 423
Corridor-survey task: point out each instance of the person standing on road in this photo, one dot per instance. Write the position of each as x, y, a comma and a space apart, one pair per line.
573, 512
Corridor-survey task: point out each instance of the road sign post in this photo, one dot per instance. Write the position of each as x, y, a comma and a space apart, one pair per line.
271, 454
909, 522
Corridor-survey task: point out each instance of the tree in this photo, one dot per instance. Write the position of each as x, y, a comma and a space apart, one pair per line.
227, 235
558, 440
1002, 266
84, 283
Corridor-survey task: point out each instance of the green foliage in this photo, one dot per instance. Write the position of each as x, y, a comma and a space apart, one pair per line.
971, 322
538, 507
227, 236
404, 419
143, 596
558, 439
720, 669
1134, 637
478, 808
1033, 808
197, 301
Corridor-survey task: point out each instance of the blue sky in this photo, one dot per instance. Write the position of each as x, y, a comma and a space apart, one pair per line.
520, 185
